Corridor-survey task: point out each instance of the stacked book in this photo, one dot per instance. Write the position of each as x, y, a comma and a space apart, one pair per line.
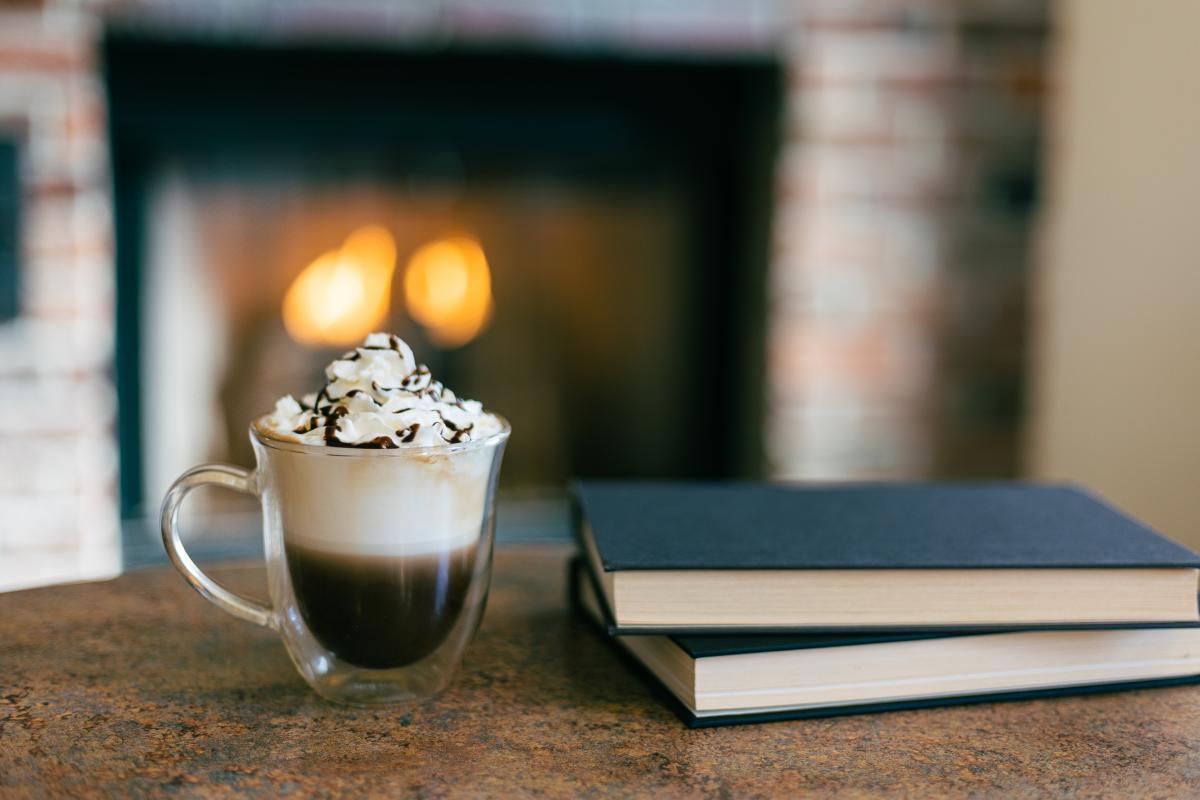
756, 602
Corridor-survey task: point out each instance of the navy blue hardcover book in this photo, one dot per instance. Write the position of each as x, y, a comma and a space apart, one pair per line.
711, 680
678, 557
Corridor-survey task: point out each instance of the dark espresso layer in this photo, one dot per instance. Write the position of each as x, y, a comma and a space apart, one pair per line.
380, 611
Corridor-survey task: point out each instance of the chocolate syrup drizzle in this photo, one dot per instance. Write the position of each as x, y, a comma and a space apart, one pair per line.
331, 425
419, 383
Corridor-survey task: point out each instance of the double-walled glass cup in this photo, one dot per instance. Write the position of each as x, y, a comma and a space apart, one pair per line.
378, 561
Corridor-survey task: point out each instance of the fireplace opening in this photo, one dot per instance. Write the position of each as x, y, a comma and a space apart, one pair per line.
578, 240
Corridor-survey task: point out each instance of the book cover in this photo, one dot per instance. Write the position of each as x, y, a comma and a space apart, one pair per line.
763, 558
681, 526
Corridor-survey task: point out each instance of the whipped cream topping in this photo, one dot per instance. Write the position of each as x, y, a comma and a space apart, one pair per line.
378, 396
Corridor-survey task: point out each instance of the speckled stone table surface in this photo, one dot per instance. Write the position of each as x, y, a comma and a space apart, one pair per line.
138, 686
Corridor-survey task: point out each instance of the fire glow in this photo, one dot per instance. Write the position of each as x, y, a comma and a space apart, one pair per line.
344, 294
448, 287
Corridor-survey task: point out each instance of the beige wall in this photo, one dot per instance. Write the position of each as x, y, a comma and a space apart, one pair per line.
1116, 400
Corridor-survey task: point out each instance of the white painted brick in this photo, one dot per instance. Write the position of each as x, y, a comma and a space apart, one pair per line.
76, 222
865, 56
843, 292
39, 522
919, 116
841, 172
52, 405
60, 283
838, 438
840, 112
33, 466
38, 465
56, 345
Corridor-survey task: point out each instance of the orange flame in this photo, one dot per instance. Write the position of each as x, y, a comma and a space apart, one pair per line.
448, 287
344, 294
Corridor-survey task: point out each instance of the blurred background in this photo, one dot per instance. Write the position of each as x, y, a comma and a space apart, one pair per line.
865, 239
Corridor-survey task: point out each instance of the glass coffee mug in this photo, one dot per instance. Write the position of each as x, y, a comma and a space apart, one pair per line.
378, 561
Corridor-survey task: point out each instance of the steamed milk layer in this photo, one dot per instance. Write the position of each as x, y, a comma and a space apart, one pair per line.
383, 504
425, 501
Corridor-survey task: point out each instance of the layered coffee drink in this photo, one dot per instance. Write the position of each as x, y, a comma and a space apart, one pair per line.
382, 548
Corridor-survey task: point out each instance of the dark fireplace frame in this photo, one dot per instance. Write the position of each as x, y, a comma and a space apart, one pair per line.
596, 116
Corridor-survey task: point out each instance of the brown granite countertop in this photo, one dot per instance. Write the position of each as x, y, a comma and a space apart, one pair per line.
138, 686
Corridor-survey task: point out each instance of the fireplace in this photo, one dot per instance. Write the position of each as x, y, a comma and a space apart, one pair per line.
903, 206
604, 219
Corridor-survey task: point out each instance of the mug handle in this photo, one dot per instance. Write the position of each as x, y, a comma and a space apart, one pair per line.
240, 480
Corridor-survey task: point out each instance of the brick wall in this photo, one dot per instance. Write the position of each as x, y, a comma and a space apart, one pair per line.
906, 190
58, 511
